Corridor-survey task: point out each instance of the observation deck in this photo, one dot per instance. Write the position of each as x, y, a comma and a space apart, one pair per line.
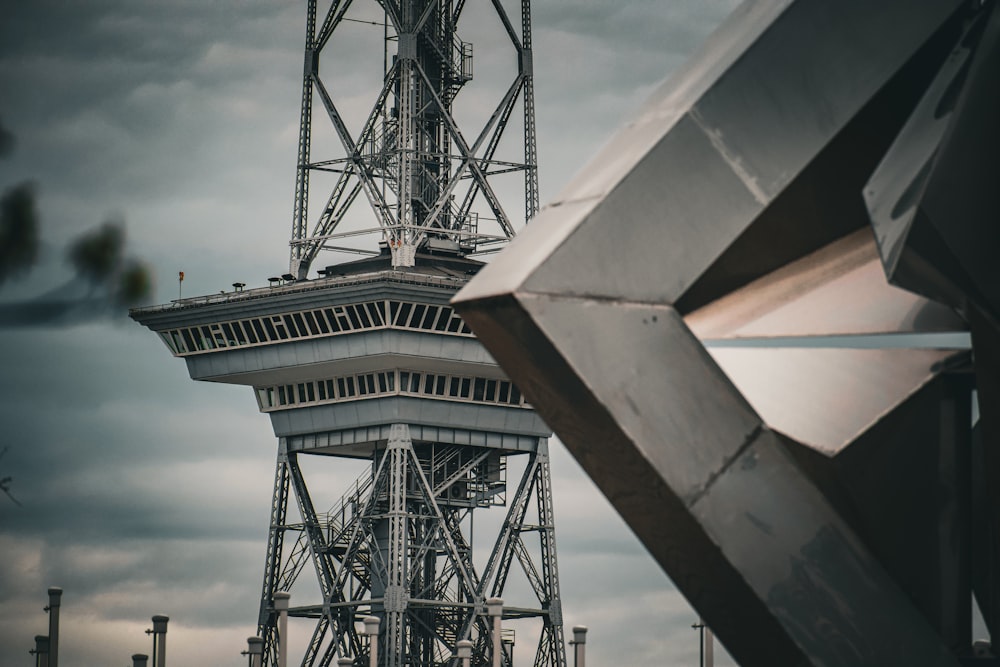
335, 361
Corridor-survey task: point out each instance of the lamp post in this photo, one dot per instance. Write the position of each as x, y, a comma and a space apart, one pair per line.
55, 601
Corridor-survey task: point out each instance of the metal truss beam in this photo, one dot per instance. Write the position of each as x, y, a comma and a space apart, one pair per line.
394, 546
411, 158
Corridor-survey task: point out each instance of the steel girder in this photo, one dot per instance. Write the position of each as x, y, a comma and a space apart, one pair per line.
660, 314
394, 547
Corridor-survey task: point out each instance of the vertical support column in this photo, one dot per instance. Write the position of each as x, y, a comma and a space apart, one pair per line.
552, 634
275, 547
406, 54
709, 647
41, 651
494, 607
281, 608
140, 660
255, 649
579, 646
159, 633
299, 222
396, 561
371, 630
322, 562
55, 601
464, 653
530, 145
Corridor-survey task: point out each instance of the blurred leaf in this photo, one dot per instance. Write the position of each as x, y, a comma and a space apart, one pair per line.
135, 284
97, 255
18, 231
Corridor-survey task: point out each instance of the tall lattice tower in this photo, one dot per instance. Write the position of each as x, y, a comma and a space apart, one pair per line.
368, 361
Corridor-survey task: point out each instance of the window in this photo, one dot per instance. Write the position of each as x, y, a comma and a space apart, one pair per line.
352, 314
188, 340
441, 324
239, 334
331, 317
366, 385
321, 322
269, 327
300, 324
418, 315
342, 320
429, 317
375, 313
207, 341
311, 322
404, 314
279, 327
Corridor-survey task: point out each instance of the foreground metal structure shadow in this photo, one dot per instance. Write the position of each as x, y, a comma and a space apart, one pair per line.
678, 316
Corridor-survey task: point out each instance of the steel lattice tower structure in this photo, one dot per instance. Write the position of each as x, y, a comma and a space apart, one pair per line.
419, 172
369, 362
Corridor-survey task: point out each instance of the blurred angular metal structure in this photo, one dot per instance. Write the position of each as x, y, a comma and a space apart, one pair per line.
733, 378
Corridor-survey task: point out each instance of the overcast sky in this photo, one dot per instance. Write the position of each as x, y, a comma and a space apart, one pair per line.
145, 493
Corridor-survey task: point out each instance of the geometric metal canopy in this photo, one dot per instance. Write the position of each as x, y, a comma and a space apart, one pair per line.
703, 318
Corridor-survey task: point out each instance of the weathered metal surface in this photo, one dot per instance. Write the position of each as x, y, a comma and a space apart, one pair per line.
686, 178
664, 434
838, 290
986, 344
934, 200
827, 397
745, 171
904, 486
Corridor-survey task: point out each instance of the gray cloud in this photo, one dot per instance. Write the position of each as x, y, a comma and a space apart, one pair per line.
145, 492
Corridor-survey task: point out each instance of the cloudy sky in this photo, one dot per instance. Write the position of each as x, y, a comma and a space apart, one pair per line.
144, 493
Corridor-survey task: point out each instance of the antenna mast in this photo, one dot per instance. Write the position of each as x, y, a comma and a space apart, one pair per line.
421, 174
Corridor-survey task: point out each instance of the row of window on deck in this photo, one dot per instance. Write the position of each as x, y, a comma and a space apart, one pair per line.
383, 383
317, 322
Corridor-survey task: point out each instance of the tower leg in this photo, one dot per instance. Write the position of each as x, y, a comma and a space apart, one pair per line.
398, 449
551, 649
266, 620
